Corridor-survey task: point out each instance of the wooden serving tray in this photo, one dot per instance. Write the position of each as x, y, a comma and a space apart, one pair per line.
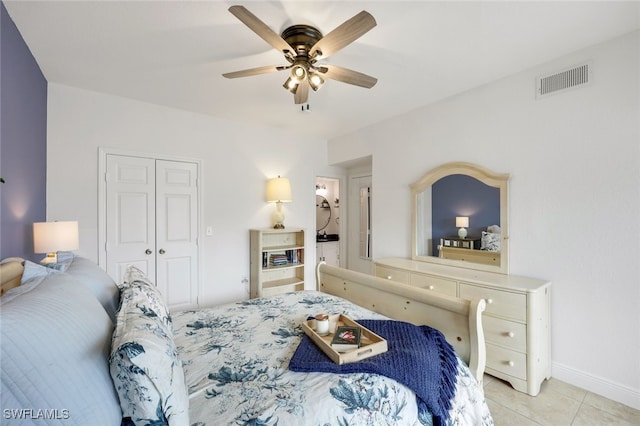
370, 343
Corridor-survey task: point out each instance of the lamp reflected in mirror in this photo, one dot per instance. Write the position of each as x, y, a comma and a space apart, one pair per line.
462, 222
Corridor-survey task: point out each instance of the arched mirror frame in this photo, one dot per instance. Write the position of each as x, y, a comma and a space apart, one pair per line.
496, 180
323, 212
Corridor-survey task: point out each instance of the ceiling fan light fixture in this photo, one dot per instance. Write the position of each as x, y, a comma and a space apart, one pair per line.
298, 72
291, 84
302, 46
315, 81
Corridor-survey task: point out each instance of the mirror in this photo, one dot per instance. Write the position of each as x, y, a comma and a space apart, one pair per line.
449, 194
323, 213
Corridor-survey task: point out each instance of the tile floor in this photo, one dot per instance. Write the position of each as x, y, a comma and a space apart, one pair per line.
557, 404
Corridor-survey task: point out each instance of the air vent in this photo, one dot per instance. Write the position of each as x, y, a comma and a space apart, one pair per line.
553, 83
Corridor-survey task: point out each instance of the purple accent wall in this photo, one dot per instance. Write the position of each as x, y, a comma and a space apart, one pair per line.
23, 142
461, 195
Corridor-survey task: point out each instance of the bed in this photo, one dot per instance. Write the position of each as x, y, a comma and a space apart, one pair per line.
101, 353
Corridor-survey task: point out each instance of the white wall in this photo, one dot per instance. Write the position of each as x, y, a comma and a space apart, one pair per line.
237, 160
574, 203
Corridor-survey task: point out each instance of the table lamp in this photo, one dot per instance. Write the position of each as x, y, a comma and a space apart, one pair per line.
52, 237
278, 191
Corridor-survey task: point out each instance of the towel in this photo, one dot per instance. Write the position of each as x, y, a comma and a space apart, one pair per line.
418, 357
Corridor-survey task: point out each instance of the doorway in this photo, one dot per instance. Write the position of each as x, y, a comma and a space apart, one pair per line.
359, 247
328, 227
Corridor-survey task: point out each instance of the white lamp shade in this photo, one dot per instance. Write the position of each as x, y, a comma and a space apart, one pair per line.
462, 222
51, 237
278, 190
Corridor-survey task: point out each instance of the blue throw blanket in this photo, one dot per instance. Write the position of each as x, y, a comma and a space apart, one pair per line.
418, 357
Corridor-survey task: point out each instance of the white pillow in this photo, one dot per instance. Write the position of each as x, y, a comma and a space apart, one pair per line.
490, 241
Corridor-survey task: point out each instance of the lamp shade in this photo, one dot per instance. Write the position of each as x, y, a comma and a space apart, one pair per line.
462, 222
278, 190
55, 236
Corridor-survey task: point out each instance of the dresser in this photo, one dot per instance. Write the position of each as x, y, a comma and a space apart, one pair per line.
516, 321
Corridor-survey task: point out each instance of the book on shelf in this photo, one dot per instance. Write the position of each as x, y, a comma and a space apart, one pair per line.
346, 338
294, 256
278, 259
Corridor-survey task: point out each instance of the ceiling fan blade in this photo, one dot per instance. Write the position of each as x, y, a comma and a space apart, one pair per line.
260, 28
344, 34
302, 92
348, 76
253, 71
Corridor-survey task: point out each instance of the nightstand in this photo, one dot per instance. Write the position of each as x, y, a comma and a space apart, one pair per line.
471, 243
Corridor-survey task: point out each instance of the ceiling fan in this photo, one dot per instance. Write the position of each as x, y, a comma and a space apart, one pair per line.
303, 46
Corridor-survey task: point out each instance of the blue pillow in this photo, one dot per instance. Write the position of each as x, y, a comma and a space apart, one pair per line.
33, 270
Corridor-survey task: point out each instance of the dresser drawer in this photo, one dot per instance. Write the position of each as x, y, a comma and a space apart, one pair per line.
505, 333
392, 274
507, 361
439, 285
502, 303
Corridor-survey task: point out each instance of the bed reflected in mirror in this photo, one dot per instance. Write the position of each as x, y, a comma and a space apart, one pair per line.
460, 217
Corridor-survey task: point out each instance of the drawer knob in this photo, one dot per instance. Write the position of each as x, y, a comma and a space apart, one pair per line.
388, 277
510, 334
490, 301
431, 287
511, 363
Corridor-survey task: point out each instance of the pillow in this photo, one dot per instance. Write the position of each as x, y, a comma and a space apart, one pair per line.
144, 294
490, 241
33, 270
145, 367
98, 281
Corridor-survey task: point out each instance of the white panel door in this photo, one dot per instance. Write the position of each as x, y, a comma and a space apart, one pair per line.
152, 223
177, 231
130, 215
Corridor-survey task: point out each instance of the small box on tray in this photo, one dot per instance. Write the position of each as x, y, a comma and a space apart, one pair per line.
345, 338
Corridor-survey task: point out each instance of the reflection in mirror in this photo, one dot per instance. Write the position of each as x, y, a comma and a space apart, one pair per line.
323, 213
365, 222
459, 195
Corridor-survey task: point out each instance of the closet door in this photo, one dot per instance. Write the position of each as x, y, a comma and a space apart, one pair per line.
130, 215
152, 223
177, 231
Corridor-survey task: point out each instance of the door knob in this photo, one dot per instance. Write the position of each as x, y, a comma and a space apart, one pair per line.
161, 251
148, 251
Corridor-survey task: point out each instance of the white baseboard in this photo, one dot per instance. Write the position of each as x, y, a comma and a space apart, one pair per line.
598, 385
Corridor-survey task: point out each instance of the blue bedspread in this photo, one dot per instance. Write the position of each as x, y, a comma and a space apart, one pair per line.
418, 357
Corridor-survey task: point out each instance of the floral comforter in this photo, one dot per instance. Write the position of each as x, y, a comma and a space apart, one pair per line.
235, 360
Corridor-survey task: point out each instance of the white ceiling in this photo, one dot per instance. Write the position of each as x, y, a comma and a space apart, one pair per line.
173, 52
